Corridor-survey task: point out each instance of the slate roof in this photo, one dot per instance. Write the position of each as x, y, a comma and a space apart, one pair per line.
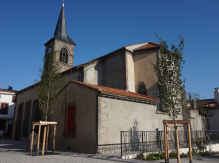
61, 30
116, 91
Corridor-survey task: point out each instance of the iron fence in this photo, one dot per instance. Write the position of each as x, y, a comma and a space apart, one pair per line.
153, 141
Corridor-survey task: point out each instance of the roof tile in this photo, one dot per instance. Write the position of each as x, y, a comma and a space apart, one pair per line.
148, 45
6, 90
117, 91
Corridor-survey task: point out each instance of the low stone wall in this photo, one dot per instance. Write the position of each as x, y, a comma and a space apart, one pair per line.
210, 147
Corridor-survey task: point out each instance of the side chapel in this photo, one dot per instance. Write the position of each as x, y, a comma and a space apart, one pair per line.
112, 93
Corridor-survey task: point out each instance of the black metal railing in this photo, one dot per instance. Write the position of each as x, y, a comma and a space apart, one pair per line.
153, 141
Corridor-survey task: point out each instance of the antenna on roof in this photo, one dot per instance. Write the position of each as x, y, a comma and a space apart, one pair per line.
63, 3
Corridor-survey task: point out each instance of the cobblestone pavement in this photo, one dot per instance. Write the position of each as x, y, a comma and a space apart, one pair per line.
13, 152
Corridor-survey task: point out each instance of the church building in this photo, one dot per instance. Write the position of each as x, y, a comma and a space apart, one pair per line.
107, 95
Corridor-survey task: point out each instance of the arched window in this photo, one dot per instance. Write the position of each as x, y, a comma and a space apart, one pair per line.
63, 55
142, 89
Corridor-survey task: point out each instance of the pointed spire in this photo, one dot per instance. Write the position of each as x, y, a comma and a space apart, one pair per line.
61, 31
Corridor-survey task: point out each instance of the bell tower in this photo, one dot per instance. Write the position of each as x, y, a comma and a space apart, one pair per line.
63, 45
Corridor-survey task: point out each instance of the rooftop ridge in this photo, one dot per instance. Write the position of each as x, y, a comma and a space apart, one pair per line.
147, 46
141, 45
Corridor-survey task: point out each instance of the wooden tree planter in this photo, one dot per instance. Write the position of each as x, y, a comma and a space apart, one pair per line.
176, 122
46, 125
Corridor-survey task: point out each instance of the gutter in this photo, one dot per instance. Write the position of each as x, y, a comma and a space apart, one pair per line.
126, 98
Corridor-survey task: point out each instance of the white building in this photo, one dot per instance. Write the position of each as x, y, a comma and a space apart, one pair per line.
7, 105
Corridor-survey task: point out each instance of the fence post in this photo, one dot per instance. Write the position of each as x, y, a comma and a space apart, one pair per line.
142, 141
214, 137
121, 141
158, 142
207, 137
160, 134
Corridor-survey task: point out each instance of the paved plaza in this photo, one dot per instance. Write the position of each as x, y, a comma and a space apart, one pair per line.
13, 152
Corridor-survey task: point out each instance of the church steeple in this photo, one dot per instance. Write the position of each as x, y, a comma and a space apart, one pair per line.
62, 44
61, 31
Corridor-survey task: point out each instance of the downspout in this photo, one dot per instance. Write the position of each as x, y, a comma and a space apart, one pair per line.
208, 127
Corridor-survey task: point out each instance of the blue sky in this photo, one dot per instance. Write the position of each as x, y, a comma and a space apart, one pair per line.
102, 26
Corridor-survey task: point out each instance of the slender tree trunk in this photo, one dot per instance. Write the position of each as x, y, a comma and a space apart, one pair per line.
47, 103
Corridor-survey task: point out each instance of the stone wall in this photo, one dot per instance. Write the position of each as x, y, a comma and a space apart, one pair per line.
114, 72
119, 115
85, 137
27, 96
144, 62
92, 75
109, 72
130, 73
197, 121
213, 119
58, 45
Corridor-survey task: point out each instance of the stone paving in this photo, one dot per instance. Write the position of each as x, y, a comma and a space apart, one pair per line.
13, 152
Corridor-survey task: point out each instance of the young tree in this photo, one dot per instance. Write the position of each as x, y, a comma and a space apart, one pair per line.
168, 71
52, 81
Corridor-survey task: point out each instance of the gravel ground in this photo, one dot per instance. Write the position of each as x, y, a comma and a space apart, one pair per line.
13, 152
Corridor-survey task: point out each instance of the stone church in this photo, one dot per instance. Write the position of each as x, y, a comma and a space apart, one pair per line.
107, 95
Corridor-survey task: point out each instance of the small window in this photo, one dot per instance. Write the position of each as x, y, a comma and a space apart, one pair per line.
4, 108
142, 89
63, 55
70, 120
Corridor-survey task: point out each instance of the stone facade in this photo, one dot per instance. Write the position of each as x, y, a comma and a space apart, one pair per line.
58, 45
115, 115
124, 69
23, 108
85, 137
144, 62
98, 119
198, 120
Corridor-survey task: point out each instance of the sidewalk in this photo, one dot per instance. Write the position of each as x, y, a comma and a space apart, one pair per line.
13, 152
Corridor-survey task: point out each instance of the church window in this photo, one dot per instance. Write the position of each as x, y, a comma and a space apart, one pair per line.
4, 108
70, 120
63, 55
142, 89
